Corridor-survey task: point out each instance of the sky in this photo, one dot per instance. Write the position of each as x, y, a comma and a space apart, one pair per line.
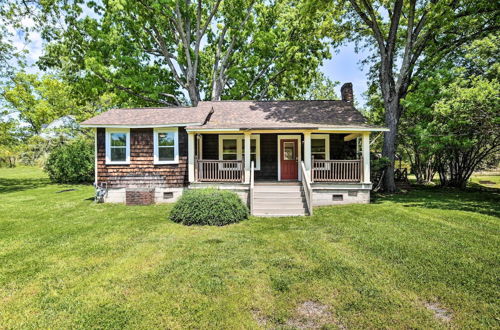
344, 66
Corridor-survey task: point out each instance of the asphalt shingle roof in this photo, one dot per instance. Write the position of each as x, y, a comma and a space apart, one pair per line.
240, 115
282, 114
151, 116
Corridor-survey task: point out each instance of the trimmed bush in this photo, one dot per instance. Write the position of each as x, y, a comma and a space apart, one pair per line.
209, 207
72, 162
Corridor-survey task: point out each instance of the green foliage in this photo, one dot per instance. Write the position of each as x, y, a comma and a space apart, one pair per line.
151, 52
467, 121
72, 162
35, 150
321, 88
39, 101
9, 141
209, 207
451, 122
379, 164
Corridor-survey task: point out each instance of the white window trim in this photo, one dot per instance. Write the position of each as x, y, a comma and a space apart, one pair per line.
108, 146
239, 147
157, 160
325, 137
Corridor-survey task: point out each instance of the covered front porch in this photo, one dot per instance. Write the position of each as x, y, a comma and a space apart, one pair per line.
321, 157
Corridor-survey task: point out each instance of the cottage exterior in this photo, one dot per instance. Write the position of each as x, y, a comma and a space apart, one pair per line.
281, 157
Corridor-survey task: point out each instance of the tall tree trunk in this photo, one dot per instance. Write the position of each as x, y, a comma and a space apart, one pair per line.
389, 146
216, 89
194, 95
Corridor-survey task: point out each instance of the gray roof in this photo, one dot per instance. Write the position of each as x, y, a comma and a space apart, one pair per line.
150, 116
240, 115
282, 114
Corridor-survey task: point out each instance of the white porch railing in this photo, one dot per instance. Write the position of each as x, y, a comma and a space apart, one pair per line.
220, 171
306, 184
337, 170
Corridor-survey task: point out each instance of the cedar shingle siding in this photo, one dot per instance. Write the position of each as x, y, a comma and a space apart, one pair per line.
142, 172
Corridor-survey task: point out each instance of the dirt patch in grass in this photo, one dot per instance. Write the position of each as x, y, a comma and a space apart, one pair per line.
439, 311
313, 315
260, 318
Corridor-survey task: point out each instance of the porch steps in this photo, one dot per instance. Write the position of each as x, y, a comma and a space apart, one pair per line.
278, 200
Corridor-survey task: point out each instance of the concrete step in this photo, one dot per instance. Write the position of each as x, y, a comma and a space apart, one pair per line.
279, 212
280, 195
278, 202
277, 188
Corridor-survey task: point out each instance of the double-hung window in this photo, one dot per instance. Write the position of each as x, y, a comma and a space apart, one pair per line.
166, 145
232, 147
320, 146
117, 146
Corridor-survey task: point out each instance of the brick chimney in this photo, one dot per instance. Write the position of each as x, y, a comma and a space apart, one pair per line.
346, 92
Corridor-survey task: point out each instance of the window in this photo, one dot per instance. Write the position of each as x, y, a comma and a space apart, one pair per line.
117, 146
232, 147
166, 146
320, 146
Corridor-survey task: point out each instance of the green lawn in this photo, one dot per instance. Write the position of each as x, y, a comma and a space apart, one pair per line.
489, 181
426, 259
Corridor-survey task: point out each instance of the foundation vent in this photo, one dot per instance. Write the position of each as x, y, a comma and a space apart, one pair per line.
337, 198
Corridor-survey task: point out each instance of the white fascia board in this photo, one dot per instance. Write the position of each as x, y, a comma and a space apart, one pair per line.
213, 130
354, 129
142, 126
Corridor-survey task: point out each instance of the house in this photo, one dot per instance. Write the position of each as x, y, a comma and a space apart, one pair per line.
281, 157
62, 126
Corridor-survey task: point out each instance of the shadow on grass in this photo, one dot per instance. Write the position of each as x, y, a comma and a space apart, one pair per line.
13, 185
484, 201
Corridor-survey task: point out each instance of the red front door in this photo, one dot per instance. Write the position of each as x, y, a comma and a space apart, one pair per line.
289, 160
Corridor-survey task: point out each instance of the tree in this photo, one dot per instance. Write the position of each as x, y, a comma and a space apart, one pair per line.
406, 34
9, 139
450, 122
40, 100
468, 120
322, 88
158, 50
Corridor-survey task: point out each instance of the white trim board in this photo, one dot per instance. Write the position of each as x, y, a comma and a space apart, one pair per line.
299, 144
239, 146
141, 126
325, 137
108, 146
156, 153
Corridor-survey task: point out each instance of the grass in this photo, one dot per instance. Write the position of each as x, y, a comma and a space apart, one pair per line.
66, 262
489, 181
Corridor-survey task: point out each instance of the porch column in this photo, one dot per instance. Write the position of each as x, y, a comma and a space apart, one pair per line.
247, 151
95, 157
307, 153
191, 146
366, 157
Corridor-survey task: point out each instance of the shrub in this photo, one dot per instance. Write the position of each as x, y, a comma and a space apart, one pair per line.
209, 207
72, 162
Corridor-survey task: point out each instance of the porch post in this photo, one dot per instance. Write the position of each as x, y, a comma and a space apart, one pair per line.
366, 157
307, 153
191, 147
95, 157
247, 157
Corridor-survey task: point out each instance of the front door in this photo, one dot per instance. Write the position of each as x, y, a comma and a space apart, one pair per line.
289, 159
